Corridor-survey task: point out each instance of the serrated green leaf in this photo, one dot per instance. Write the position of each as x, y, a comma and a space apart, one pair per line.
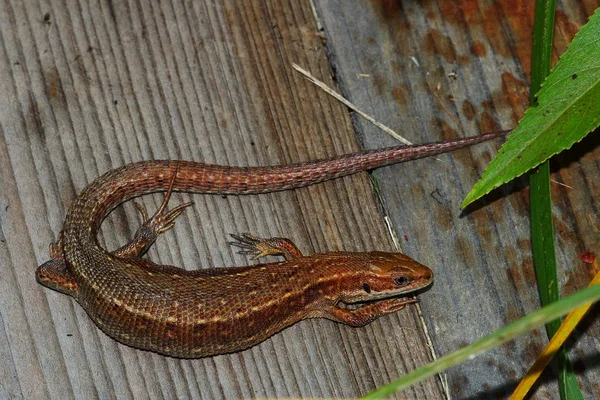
568, 109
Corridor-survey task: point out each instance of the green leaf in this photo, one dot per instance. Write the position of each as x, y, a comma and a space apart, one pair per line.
509, 332
569, 108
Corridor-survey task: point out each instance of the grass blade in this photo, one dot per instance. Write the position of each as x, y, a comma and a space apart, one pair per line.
509, 332
559, 338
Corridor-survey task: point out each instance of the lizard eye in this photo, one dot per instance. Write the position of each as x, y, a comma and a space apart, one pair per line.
401, 281
366, 287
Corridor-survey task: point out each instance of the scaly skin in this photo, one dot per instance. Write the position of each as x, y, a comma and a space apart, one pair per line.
201, 313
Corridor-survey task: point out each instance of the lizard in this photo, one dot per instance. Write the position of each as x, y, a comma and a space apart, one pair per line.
206, 312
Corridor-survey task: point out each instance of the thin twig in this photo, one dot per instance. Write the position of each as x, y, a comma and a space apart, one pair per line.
339, 97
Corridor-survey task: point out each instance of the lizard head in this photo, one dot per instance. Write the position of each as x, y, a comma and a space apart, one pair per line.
384, 275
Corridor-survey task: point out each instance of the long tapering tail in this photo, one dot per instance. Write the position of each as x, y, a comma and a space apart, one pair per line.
121, 184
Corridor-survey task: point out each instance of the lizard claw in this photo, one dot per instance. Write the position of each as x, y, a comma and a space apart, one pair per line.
397, 304
162, 220
260, 247
250, 245
56, 249
152, 227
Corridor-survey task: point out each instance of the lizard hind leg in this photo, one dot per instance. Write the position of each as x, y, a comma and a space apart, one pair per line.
152, 227
55, 275
261, 247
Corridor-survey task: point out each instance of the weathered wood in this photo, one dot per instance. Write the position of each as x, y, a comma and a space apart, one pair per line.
89, 86
437, 70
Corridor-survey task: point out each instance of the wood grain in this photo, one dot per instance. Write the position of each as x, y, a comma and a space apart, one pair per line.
441, 69
90, 86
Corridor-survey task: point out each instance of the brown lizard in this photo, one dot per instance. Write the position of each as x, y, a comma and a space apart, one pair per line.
205, 312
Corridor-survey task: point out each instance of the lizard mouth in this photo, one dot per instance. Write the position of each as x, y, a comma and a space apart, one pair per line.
376, 296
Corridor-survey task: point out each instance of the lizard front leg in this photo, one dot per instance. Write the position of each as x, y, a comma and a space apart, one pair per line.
365, 314
261, 247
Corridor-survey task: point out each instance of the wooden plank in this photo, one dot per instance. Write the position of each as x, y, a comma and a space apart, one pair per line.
437, 70
90, 86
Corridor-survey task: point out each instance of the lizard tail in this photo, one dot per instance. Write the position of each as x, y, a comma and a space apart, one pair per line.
132, 180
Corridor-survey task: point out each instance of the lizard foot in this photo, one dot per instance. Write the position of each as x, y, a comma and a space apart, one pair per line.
367, 313
261, 247
152, 227
162, 220
56, 248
